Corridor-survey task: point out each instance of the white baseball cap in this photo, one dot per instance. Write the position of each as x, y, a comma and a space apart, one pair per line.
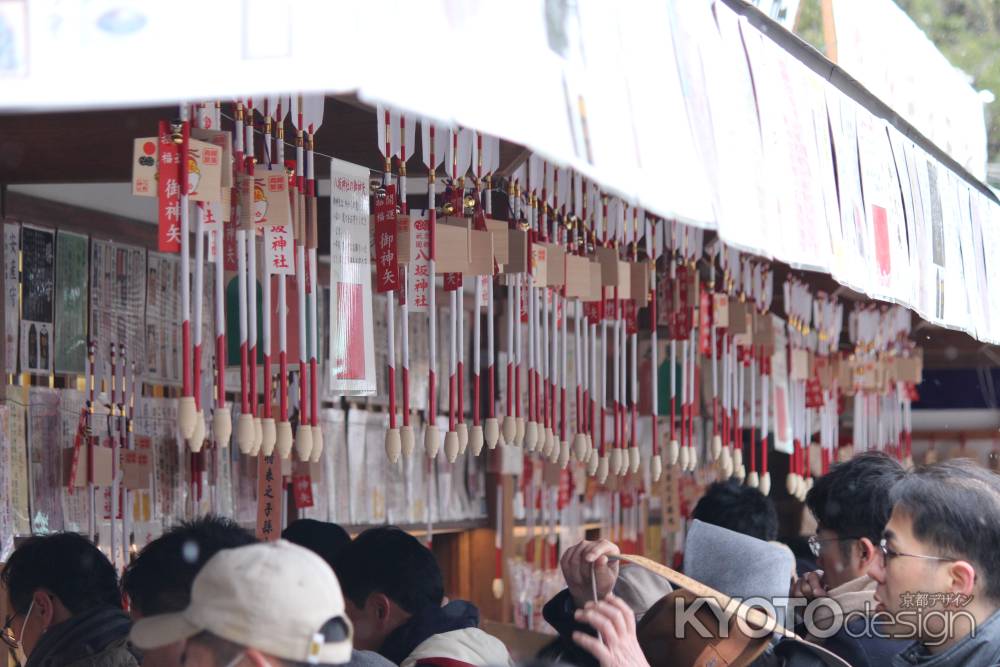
276, 597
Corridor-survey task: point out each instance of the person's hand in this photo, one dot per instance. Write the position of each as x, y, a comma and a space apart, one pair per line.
615, 622
577, 564
810, 586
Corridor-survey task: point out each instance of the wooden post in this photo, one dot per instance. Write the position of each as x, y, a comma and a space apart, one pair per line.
829, 30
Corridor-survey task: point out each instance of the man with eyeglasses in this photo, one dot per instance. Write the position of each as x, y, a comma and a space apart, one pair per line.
271, 604
940, 565
851, 505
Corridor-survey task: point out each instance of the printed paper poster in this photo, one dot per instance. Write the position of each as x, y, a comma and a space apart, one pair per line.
11, 278
38, 263
117, 299
71, 302
352, 353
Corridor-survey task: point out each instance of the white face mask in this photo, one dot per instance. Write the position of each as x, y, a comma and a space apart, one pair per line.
19, 654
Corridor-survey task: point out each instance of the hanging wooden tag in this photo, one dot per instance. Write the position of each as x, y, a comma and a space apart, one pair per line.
517, 251
204, 171
459, 249
501, 240
639, 274
144, 165
555, 270
266, 197
577, 277
799, 369
737, 317
624, 280
224, 140
610, 266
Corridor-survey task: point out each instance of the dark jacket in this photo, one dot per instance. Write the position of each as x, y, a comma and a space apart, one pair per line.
94, 638
981, 649
860, 650
558, 612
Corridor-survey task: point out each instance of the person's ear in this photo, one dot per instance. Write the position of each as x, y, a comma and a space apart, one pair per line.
867, 552
963, 577
381, 606
43, 604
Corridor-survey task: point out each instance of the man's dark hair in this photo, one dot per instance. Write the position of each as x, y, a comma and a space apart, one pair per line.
159, 580
66, 564
389, 561
320, 537
955, 506
739, 508
852, 499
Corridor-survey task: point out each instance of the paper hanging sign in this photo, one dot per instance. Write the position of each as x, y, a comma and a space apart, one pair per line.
781, 423
267, 197
144, 166
421, 282
11, 277
720, 310
404, 239
279, 245
163, 363
213, 220
352, 336
168, 191
452, 281
204, 171
229, 246
483, 285
37, 294
302, 489
386, 256
71, 302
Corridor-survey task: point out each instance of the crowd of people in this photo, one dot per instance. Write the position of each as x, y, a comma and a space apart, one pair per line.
908, 574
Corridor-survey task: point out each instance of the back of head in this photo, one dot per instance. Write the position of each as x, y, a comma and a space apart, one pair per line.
159, 580
852, 499
955, 505
390, 561
738, 508
277, 598
320, 537
66, 564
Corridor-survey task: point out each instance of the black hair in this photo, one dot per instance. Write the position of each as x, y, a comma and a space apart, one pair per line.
69, 566
739, 508
955, 506
320, 537
389, 561
852, 499
159, 580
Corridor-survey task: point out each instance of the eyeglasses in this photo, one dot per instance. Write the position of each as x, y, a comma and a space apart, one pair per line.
889, 553
816, 544
7, 635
